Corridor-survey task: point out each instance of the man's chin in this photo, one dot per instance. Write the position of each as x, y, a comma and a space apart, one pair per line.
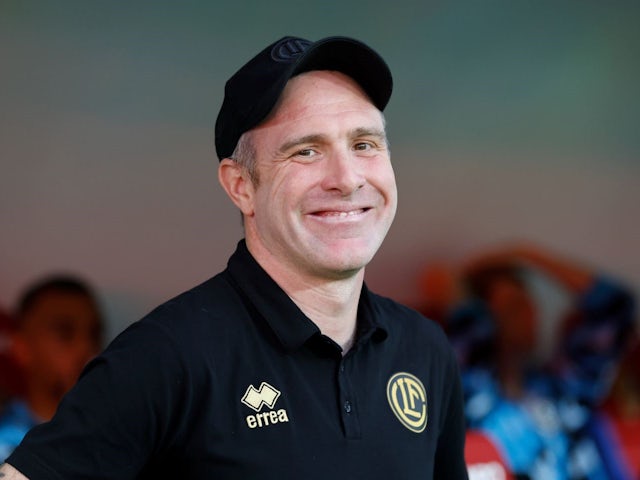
345, 266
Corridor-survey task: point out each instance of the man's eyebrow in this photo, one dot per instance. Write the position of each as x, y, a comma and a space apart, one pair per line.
314, 138
369, 132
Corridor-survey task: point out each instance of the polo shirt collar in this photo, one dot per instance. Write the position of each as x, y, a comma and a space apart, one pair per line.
290, 325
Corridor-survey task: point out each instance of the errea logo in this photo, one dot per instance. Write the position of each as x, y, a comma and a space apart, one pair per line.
256, 399
408, 400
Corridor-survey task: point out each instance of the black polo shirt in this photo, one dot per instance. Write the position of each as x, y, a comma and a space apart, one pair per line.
230, 380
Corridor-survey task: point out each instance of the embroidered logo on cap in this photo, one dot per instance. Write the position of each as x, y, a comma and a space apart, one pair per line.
289, 49
408, 400
256, 399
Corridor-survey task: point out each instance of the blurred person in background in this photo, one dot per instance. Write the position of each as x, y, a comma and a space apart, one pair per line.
616, 426
58, 329
10, 378
440, 291
538, 415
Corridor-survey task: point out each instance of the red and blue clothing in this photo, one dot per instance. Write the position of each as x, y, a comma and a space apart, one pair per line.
547, 434
15, 421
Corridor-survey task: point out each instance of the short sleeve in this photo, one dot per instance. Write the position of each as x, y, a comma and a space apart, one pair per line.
121, 413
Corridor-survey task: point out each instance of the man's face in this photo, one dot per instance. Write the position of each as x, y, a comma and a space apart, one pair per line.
60, 334
327, 194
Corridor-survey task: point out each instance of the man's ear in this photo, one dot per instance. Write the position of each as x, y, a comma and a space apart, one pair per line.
236, 182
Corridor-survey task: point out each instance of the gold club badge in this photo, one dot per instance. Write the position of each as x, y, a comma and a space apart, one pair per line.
408, 400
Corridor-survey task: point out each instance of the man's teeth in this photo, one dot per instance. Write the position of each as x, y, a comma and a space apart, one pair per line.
343, 214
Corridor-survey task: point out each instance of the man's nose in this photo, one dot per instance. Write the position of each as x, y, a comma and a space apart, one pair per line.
343, 172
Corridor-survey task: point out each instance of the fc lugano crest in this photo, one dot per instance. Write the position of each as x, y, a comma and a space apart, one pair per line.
408, 400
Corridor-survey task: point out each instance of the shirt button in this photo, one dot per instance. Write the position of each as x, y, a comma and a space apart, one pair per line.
342, 367
347, 406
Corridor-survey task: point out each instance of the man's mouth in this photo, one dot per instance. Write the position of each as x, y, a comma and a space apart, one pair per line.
340, 214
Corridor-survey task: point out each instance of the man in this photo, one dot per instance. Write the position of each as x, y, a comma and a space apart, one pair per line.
284, 365
58, 330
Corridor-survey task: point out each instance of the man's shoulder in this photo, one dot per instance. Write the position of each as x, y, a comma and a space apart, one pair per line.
191, 315
211, 298
397, 316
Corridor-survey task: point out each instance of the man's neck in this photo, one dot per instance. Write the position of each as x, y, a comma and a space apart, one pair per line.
331, 303
332, 306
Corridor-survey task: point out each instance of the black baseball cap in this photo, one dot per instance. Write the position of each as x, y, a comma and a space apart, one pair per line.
251, 93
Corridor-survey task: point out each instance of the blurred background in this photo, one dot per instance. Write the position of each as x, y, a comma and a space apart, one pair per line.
510, 120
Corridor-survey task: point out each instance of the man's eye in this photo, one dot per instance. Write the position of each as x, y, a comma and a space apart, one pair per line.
307, 152
363, 146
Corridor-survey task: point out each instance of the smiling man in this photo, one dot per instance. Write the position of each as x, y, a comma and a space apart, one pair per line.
284, 365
